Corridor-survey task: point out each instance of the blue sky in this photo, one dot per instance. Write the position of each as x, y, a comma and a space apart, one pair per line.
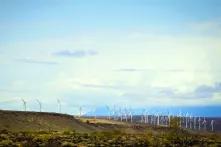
130, 53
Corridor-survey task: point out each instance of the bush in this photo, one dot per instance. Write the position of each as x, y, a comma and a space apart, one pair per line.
67, 144
7, 143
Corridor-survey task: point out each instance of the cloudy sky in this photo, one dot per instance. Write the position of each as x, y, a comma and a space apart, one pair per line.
116, 52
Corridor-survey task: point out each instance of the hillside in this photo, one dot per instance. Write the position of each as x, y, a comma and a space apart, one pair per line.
40, 121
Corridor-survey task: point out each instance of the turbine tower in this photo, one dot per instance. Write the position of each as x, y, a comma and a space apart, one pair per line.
158, 119
168, 120
212, 125
180, 119
186, 120
121, 115
146, 116
59, 105
131, 117
142, 116
130, 114
24, 104
190, 120
40, 105
199, 120
125, 113
109, 112
80, 111
194, 123
204, 123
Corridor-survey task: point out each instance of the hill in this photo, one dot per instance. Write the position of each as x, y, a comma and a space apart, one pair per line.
41, 121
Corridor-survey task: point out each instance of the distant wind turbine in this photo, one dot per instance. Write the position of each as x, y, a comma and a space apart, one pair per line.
194, 123
109, 112
40, 105
212, 125
24, 104
204, 123
190, 121
158, 119
186, 120
199, 121
80, 111
59, 105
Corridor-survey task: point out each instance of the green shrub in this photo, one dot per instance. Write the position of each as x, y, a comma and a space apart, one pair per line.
7, 143
67, 144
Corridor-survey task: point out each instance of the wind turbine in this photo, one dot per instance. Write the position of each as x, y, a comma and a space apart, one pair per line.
24, 104
190, 120
212, 125
168, 119
142, 115
131, 114
199, 120
121, 115
40, 105
158, 119
187, 120
194, 123
80, 111
131, 117
146, 117
180, 119
109, 112
125, 113
94, 111
204, 123
113, 112
59, 105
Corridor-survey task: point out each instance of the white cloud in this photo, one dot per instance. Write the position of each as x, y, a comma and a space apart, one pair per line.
176, 62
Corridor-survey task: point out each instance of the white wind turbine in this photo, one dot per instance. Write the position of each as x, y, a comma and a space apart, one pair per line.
80, 111
142, 115
121, 114
212, 125
186, 118
190, 120
131, 114
109, 112
204, 123
125, 113
168, 119
180, 119
194, 122
146, 117
199, 121
94, 110
158, 119
154, 117
24, 104
59, 105
113, 112
40, 105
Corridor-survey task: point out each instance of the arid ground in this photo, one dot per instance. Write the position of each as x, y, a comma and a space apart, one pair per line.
33, 129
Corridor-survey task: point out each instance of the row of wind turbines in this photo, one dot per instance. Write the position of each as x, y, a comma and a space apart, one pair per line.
184, 120
128, 115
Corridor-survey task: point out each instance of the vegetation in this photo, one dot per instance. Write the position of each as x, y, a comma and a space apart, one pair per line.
172, 137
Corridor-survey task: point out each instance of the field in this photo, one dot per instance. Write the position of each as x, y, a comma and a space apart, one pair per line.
32, 129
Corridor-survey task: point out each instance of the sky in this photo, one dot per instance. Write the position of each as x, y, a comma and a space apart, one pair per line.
126, 53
